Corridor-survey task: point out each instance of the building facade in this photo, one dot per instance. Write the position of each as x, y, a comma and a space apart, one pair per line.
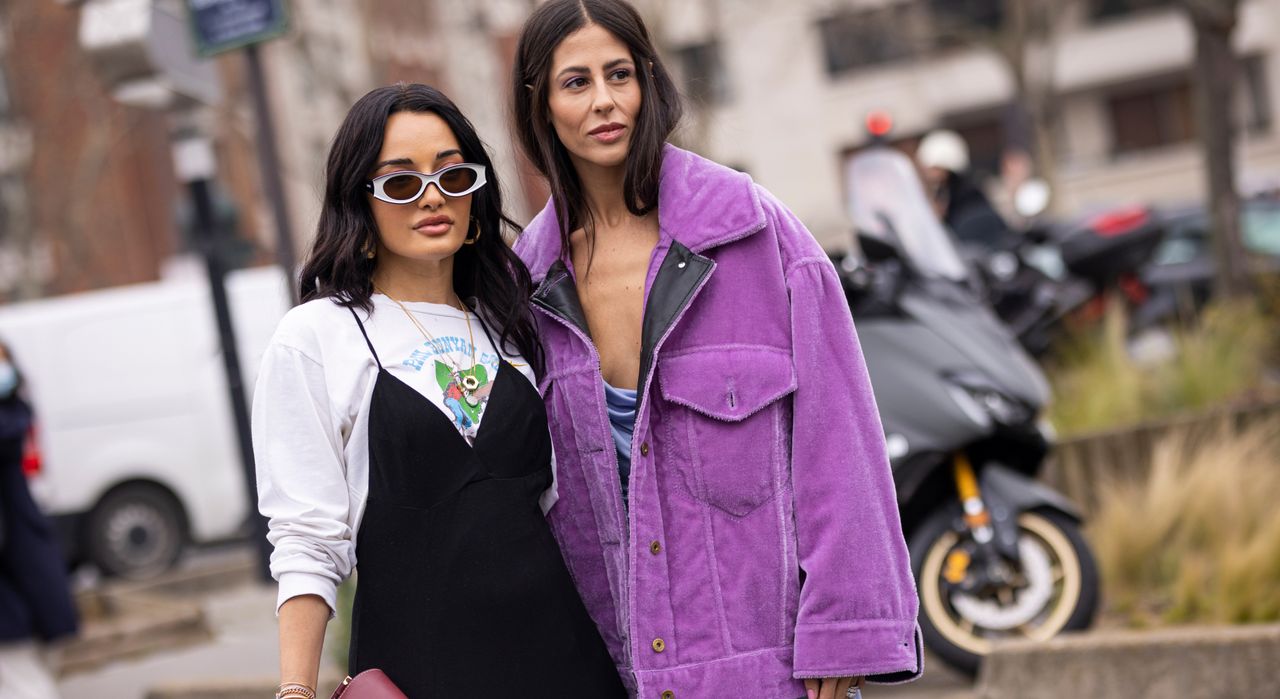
778, 88
781, 88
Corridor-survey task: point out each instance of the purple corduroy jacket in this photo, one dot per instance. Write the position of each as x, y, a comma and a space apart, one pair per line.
762, 544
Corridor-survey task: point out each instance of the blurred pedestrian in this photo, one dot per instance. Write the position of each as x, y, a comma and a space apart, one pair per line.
726, 502
957, 195
398, 426
35, 597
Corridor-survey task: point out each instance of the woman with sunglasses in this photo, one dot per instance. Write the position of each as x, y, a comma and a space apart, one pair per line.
726, 503
398, 429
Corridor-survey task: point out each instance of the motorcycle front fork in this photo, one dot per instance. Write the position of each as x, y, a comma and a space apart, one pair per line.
980, 565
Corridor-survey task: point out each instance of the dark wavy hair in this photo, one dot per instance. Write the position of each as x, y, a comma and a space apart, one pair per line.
488, 270
660, 107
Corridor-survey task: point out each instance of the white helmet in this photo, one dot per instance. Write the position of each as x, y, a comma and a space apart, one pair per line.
943, 149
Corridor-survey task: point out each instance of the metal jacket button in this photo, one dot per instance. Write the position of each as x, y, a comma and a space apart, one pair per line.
668, 694
659, 645
655, 548
644, 449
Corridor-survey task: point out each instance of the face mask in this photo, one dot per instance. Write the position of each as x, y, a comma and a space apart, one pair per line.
8, 379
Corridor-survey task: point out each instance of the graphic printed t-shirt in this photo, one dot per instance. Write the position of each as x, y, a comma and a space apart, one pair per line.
442, 363
311, 421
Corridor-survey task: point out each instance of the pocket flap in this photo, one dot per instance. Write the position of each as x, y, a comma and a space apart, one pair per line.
727, 383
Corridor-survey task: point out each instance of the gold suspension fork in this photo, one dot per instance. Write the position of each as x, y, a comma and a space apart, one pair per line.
976, 517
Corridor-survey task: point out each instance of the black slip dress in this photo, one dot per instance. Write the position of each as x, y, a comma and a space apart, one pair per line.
462, 589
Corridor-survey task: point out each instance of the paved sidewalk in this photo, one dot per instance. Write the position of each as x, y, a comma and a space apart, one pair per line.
244, 645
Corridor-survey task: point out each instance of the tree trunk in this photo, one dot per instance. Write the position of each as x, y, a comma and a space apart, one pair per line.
1214, 74
1027, 46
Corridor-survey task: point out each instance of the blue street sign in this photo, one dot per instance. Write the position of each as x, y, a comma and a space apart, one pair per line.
222, 25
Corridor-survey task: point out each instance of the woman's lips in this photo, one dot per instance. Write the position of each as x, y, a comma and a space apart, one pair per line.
436, 225
608, 133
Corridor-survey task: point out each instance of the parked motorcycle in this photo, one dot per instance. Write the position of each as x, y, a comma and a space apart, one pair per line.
996, 554
1048, 276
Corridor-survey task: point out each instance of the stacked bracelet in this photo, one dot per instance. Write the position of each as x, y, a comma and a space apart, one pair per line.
295, 690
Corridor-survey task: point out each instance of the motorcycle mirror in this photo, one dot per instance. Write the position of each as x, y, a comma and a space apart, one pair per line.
1031, 198
1003, 266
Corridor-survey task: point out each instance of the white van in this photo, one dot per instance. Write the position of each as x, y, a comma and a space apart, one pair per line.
135, 449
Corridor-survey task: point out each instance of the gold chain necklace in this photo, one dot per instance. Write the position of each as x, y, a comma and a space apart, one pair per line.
468, 383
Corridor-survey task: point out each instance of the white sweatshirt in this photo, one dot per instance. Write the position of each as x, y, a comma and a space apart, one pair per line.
311, 431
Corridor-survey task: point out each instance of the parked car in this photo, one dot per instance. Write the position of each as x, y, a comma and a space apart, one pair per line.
135, 453
1180, 275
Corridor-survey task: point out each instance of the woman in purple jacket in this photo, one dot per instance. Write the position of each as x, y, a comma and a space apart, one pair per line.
726, 505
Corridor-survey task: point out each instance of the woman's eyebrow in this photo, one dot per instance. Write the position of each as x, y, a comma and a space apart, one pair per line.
448, 153
393, 161
573, 69
583, 69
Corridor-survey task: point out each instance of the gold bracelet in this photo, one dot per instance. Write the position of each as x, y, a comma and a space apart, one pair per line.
295, 689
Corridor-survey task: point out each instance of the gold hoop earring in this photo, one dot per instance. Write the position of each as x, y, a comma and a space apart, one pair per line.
472, 240
369, 249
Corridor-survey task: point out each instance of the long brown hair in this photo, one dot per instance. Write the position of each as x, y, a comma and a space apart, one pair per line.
488, 270
660, 107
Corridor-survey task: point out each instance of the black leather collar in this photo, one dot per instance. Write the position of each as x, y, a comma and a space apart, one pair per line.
679, 277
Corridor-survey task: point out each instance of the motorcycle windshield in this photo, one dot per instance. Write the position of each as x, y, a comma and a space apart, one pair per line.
887, 201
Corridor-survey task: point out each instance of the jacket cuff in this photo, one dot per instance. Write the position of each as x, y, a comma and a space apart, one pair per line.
883, 651
296, 584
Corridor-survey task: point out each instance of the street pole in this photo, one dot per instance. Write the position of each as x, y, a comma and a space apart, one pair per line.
195, 165
269, 169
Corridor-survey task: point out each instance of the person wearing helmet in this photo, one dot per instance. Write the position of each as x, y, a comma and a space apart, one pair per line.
944, 157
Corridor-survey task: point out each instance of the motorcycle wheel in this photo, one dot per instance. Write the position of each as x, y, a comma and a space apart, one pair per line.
1058, 590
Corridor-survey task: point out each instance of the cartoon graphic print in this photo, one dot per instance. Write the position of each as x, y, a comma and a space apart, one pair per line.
464, 410
467, 410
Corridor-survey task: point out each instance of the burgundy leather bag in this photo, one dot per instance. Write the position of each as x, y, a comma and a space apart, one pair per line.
370, 684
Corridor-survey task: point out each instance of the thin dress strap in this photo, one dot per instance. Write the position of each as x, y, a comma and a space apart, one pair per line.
366, 337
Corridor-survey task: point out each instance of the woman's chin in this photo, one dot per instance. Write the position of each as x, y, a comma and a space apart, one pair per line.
605, 157
430, 251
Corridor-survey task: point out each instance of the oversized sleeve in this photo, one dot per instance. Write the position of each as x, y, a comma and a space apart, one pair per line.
858, 604
302, 485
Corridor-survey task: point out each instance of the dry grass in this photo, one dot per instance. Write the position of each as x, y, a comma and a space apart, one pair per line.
1197, 541
1224, 357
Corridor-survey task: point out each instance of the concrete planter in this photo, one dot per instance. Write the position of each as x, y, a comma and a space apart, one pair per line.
1188, 663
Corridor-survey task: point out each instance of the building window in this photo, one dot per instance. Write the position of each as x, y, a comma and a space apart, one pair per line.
705, 79
1257, 107
1164, 115
1151, 118
986, 140
951, 17
1110, 9
858, 39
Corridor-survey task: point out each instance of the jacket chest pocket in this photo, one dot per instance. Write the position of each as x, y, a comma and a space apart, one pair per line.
727, 423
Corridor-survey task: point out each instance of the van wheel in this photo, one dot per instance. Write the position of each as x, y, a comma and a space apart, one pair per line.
136, 531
